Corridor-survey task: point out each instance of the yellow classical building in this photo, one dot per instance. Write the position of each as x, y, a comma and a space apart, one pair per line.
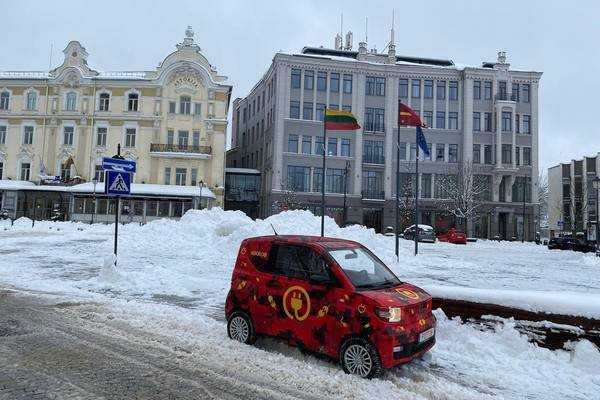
171, 120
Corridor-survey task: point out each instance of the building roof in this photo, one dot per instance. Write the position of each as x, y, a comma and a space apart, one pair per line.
349, 54
88, 187
249, 171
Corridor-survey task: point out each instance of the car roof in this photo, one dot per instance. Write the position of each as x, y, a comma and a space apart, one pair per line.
327, 242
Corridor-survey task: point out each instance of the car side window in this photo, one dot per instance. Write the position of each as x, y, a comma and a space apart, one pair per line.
315, 264
288, 263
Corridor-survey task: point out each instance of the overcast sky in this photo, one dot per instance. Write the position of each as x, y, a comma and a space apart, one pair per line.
240, 38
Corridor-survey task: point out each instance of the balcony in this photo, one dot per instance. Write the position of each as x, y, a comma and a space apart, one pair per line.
505, 97
373, 159
180, 151
373, 194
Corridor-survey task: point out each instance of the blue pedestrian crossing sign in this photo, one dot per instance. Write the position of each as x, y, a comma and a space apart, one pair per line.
117, 183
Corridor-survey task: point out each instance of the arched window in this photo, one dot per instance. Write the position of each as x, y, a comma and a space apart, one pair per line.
132, 102
31, 100
104, 102
185, 105
71, 101
4, 100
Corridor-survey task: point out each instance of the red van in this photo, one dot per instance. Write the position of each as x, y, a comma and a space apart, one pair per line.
331, 296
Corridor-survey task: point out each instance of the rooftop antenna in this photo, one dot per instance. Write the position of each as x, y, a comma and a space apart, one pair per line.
272, 227
366, 29
342, 24
50, 62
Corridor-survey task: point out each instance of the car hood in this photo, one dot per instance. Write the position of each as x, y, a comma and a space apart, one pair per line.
397, 296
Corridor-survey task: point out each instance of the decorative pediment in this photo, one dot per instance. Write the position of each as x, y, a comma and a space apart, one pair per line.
65, 152
25, 153
186, 79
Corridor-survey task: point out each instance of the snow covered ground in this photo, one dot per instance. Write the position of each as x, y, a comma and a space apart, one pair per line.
172, 277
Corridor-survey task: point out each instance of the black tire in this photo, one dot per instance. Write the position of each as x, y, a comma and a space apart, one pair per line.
240, 328
351, 349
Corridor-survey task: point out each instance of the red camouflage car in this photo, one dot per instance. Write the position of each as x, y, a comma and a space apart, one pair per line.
330, 296
453, 236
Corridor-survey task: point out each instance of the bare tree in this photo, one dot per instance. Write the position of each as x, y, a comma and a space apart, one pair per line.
406, 206
289, 198
542, 197
462, 192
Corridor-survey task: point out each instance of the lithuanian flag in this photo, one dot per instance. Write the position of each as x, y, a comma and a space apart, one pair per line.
337, 120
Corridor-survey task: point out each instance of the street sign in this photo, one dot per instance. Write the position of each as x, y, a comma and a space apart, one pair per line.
117, 183
116, 164
560, 224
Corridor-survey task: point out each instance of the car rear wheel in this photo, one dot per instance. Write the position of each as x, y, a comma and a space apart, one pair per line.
360, 357
240, 328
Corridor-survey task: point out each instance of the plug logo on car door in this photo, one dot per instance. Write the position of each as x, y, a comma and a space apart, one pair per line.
296, 303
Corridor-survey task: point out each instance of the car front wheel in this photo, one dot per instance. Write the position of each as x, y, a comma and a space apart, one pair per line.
360, 357
240, 328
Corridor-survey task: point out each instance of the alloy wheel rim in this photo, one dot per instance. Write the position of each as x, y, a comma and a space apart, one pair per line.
358, 360
238, 329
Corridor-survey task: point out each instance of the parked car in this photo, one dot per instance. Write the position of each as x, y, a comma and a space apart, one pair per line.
426, 233
331, 296
390, 231
570, 243
453, 236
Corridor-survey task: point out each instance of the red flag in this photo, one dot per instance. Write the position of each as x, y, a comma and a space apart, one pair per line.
407, 116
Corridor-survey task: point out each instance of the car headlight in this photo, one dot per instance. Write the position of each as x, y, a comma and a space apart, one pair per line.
391, 314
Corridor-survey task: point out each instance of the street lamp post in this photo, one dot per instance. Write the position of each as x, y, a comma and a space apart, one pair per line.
95, 182
523, 216
345, 209
201, 184
596, 184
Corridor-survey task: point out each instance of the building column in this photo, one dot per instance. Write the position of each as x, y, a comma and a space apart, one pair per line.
467, 120
498, 136
358, 109
283, 92
514, 138
391, 117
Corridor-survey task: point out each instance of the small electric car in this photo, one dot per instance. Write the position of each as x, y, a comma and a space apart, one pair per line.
453, 236
331, 296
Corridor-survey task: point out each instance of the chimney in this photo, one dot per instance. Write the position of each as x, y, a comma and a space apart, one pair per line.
362, 50
338, 41
348, 41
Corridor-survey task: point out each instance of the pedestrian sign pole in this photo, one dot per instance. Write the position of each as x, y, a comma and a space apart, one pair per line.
119, 174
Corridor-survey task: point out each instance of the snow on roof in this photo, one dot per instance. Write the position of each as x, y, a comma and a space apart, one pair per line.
24, 75
88, 187
101, 75
242, 171
149, 189
123, 74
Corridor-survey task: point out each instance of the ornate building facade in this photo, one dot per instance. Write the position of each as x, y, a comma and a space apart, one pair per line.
171, 120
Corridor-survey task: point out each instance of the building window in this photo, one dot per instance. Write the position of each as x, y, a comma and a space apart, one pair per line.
65, 172
440, 150
295, 109
403, 88
320, 112
309, 80
4, 100
488, 122
526, 155
292, 144
99, 173
506, 121
167, 175
415, 88
487, 154
428, 117
347, 107
180, 176
476, 90
197, 109
104, 102
321, 81
453, 90
476, 154
185, 105
31, 100
1, 169
517, 123
506, 154
172, 106
428, 89
441, 90
171, 138
440, 119
319, 145
130, 137
526, 123
375, 86
28, 135
332, 146
403, 150
334, 180
515, 92
425, 186
374, 119
2, 134
372, 185
347, 83
71, 101
526, 92
345, 148
194, 176
68, 132
453, 153
196, 138
306, 144
373, 152
25, 170
132, 102
487, 90
334, 83
502, 90
452, 120
183, 139
476, 121
298, 178
307, 110
296, 74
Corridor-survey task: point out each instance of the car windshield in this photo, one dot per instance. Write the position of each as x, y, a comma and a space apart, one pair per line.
363, 269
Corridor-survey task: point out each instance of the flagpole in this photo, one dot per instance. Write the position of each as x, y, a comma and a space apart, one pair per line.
323, 179
416, 218
398, 187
